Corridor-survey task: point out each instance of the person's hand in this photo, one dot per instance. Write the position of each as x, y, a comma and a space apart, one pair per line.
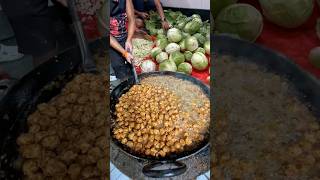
128, 46
63, 2
165, 25
128, 56
143, 15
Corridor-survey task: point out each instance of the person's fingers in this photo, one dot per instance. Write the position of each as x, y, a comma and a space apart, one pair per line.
129, 47
130, 58
145, 15
165, 25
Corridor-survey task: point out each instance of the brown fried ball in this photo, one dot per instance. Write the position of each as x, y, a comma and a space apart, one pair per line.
71, 98
29, 167
67, 137
24, 139
50, 142
45, 122
95, 154
84, 160
35, 176
84, 147
40, 135
65, 113
34, 128
54, 167
68, 156
71, 132
89, 172
74, 171
30, 151
102, 142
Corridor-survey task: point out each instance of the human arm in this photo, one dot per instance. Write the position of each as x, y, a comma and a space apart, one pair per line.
131, 24
143, 15
164, 23
115, 44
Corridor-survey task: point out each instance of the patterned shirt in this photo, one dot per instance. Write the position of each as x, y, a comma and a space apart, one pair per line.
118, 19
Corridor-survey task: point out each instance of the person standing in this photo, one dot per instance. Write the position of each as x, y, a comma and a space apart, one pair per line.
122, 28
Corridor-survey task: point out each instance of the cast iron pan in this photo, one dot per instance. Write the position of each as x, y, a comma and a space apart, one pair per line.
149, 169
307, 86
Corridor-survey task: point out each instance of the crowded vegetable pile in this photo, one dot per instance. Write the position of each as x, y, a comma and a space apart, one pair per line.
141, 48
243, 21
185, 46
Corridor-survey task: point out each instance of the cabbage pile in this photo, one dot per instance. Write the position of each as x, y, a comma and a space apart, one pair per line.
241, 20
148, 66
187, 25
184, 46
288, 14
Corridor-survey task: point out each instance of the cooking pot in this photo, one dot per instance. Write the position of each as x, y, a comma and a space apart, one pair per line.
306, 85
149, 169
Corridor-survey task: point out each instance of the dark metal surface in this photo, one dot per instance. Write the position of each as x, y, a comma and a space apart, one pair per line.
135, 75
149, 169
307, 86
123, 88
5, 86
133, 168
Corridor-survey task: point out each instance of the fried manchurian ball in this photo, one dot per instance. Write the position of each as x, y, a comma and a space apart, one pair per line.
29, 167
150, 121
74, 171
54, 167
67, 137
30, 151
50, 142
35, 176
25, 139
